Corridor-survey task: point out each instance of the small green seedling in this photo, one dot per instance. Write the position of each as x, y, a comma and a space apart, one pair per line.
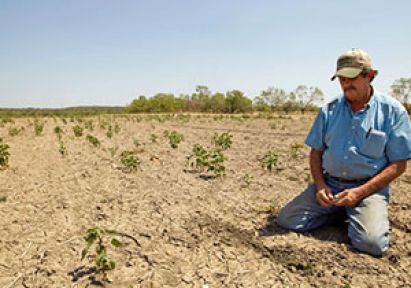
223, 141
216, 161
62, 149
247, 179
58, 132
78, 131
93, 140
130, 160
269, 160
4, 155
200, 156
38, 127
96, 235
174, 137
210, 161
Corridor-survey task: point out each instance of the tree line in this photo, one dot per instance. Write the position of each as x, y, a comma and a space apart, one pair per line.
203, 100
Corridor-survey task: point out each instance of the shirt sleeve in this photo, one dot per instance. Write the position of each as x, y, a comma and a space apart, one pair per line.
399, 140
315, 138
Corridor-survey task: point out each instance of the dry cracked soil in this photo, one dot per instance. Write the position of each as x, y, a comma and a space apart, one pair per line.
192, 229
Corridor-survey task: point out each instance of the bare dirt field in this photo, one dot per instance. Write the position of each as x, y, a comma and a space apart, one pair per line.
193, 230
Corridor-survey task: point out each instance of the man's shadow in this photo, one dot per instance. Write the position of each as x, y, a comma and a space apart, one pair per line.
336, 230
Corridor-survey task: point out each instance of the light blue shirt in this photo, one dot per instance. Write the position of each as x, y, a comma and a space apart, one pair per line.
359, 145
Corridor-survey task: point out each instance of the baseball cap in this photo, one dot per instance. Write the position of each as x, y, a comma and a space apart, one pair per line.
351, 63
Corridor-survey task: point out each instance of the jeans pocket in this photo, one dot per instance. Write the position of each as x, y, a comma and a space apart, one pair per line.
374, 144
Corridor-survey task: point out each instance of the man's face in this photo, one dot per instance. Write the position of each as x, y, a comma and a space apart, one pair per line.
355, 89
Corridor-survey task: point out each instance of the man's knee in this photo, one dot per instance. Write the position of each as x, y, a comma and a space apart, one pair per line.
291, 221
371, 243
284, 219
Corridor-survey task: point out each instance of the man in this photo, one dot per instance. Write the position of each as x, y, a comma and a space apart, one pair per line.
359, 143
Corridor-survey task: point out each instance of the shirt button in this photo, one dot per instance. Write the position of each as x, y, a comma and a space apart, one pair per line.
353, 127
349, 142
345, 157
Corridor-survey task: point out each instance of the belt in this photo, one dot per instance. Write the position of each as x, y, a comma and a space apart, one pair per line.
343, 180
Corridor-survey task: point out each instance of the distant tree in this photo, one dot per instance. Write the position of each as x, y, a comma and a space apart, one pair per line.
261, 105
273, 97
290, 103
161, 102
138, 105
401, 90
307, 97
165, 102
201, 98
217, 103
185, 100
236, 101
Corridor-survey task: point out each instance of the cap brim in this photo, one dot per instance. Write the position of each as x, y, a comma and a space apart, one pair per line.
347, 72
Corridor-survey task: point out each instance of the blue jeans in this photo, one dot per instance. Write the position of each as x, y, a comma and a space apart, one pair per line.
368, 226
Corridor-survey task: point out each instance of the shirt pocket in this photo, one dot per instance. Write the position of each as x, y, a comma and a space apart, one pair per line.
374, 144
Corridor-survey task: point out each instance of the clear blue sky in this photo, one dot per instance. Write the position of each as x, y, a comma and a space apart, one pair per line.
99, 52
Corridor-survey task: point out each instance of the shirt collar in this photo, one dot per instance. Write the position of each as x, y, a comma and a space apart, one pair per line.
367, 105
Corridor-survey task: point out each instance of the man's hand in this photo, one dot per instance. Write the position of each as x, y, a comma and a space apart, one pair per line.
325, 197
347, 197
